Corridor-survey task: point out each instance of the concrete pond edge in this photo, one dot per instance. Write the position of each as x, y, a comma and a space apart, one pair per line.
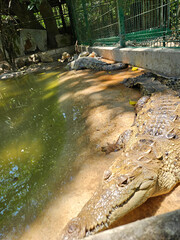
163, 61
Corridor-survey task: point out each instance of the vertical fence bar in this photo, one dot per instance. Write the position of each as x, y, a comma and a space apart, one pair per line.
177, 21
121, 23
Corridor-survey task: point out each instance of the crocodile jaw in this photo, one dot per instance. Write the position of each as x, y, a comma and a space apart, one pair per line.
118, 195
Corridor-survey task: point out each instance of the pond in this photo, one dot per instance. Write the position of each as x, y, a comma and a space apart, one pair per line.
46, 120
33, 138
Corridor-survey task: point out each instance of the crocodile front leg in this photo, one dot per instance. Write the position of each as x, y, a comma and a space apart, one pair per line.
119, 144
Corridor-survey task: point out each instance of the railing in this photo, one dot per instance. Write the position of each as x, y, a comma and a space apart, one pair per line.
136, 23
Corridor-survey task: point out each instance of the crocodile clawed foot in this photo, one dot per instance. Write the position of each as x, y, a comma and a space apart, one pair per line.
111, 147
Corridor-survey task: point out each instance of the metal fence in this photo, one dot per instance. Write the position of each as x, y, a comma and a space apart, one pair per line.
152, 23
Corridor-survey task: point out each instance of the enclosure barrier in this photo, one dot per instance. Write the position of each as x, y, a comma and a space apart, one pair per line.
135, 23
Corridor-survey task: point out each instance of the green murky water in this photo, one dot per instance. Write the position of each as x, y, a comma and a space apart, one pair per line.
32, 139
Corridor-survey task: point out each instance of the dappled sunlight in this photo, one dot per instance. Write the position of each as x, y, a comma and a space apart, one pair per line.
65, 96
95, 84
88, 91
32, 130
48, 95
52, 84
74, 84
45, 76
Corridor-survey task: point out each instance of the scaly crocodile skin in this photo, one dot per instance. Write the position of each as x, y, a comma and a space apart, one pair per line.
150, 83
148, 165
95, 64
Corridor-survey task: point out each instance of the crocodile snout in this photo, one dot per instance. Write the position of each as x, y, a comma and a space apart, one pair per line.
74, 230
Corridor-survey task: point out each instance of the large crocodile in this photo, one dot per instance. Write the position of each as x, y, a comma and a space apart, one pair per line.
95, 64
148, 165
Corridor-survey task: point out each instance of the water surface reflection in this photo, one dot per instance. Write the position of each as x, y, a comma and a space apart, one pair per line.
33, 134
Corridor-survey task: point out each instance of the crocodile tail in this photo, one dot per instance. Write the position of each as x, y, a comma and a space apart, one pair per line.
113, 67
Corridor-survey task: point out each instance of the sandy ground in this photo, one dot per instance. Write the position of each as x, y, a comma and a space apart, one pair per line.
108, 114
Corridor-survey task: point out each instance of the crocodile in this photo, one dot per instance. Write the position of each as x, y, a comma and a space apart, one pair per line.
95, 64
150, 83
148, 165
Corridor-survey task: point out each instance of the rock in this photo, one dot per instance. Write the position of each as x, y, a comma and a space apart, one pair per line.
45, 57
1, 70
20, 62
65, 57
165, 226
34, 58
23, 68
6, 66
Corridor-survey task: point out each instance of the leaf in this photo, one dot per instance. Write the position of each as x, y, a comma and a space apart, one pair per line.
134, 68
133, 103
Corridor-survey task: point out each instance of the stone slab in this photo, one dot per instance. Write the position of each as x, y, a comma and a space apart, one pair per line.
163, 227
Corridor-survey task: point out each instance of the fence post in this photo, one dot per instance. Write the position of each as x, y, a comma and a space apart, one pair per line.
86, 21
121, 23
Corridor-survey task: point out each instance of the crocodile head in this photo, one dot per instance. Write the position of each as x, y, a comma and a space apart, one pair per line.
124, 187
148, 165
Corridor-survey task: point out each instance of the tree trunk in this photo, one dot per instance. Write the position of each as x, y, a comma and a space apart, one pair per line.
50, 22
25, 16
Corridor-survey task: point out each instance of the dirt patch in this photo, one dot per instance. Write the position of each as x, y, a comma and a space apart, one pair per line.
108, 113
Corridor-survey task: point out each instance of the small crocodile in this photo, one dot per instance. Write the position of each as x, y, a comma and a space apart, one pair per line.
95, 64
148, 165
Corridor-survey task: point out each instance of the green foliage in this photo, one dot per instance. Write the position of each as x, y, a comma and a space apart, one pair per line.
40, 19
34, 3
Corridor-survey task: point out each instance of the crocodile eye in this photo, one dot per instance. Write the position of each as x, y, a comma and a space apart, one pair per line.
107, 174
122, 180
